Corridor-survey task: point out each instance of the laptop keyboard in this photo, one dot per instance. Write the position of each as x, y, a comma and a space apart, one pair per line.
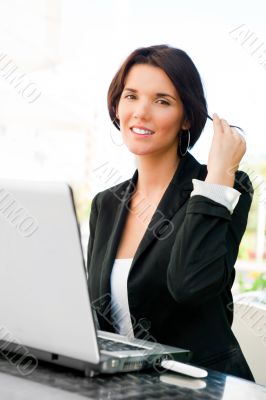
111, 345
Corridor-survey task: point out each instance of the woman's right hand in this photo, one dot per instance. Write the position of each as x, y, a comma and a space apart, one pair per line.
227, 149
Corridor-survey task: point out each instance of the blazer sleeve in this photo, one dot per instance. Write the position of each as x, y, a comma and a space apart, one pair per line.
206, 246
92, 224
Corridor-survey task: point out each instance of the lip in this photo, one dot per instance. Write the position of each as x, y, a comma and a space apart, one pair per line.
143, 128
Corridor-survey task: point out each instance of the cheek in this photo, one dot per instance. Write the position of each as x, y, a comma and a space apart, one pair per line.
170, 123
123, 112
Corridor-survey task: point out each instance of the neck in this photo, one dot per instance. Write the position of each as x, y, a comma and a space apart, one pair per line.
155, 173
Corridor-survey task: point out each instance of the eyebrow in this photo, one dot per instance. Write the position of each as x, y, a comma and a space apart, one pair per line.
157, 94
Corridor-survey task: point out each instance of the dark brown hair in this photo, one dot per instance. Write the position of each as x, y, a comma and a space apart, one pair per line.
181, 71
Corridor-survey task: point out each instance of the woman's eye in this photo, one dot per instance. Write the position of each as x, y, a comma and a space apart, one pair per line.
132, 96
129, 95
164, 102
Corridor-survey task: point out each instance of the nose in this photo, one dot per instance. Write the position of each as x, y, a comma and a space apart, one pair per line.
141, 109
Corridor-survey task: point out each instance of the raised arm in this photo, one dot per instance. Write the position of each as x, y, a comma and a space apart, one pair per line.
206, 247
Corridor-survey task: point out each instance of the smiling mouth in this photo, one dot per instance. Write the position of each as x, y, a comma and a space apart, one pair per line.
141, 132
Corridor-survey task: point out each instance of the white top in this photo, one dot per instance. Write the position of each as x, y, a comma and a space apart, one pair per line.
224, 195
119, 299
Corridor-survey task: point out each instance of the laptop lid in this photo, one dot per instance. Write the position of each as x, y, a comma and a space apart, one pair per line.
44, 300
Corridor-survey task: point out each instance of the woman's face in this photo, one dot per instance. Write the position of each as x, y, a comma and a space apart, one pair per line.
150, 111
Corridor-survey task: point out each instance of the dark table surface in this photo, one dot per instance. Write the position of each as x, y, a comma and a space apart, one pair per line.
52, 382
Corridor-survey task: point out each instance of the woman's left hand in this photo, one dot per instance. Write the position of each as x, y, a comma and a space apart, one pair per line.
227, 149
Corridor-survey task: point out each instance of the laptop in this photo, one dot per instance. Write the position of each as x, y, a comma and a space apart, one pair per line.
45, 309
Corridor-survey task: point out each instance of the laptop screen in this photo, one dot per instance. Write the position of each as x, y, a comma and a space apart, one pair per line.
44, 301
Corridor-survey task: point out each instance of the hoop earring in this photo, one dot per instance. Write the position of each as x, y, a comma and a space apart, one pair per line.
115, 137
116, 123
183, 144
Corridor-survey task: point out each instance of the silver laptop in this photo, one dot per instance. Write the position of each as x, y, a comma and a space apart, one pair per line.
45, 310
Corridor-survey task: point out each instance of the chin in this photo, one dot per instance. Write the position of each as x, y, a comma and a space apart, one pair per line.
139, 152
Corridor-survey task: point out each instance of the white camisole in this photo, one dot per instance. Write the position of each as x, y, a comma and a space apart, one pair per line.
119, 297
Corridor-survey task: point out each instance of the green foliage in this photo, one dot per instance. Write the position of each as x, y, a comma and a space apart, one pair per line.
259, 283
257, 174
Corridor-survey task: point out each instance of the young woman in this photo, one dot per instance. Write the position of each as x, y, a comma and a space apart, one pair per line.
163, 244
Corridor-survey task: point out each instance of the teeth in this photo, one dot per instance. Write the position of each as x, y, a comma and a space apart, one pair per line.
141, 131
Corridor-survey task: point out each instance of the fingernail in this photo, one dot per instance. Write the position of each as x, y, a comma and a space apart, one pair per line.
215, 115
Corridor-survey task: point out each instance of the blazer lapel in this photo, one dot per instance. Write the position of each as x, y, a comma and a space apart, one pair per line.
123, 198
174, 197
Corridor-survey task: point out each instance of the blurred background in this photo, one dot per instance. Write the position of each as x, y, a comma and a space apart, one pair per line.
57, 58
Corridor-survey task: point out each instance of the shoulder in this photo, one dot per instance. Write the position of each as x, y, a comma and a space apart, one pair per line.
112, 194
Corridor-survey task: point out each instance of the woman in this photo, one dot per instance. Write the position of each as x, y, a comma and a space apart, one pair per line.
166, 270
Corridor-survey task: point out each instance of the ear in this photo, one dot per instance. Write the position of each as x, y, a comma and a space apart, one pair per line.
115, 110
186, 125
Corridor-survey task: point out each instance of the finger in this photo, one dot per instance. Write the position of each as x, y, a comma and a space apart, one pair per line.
226, 126
217, 125
232, 131
236, 131
239, 130
241, 141
238, 135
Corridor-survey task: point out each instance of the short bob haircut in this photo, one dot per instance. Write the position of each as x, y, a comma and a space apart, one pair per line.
181, 71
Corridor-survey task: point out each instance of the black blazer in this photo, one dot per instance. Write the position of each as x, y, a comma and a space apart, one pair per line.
179, 284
